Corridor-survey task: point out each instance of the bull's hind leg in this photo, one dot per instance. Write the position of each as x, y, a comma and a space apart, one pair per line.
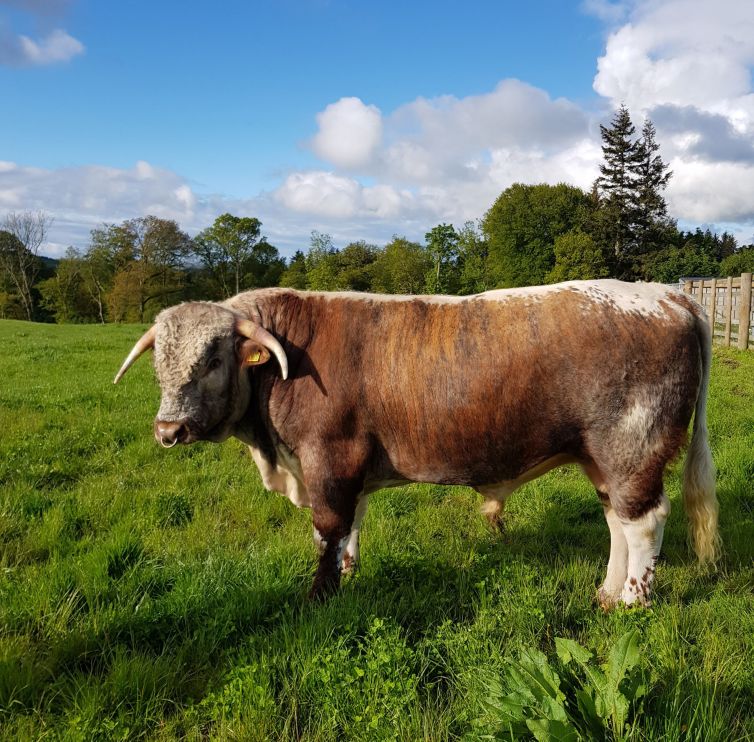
495, 496
644, 538
609, 592
636, 511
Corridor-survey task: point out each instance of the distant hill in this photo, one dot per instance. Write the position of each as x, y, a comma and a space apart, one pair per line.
49, 266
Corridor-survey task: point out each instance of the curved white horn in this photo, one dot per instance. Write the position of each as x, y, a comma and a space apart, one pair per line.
145, 342
253, 331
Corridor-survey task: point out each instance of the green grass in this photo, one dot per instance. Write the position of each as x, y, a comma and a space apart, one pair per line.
158, 594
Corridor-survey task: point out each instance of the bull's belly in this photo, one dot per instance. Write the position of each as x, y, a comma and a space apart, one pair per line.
472, 468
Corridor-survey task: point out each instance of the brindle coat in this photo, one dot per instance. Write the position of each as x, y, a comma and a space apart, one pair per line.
487, 391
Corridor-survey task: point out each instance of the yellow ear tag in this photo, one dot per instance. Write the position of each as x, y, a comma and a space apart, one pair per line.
254, 357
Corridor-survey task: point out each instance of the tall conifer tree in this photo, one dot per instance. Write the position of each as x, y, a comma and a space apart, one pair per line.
616, 186
652, 177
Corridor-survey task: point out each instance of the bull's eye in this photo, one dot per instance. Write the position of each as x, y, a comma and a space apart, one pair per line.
214, 364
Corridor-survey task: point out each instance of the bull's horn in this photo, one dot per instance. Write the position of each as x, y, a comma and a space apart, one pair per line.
255, 332
145, 342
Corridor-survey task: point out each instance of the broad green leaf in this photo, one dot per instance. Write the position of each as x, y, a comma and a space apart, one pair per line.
588, 710
549, 730
623, 656
568, 650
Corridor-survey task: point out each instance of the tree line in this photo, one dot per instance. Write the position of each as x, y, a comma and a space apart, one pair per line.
532, 234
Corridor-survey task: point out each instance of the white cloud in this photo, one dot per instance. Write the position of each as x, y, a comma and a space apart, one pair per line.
322, 193
81, 198
57, 46
682, 52
349, 133
19, 50
442, 158
706, 192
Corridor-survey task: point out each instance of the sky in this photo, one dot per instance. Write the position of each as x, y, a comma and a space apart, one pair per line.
361, 119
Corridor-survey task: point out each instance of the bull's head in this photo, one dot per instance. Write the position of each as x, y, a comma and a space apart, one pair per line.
201, 353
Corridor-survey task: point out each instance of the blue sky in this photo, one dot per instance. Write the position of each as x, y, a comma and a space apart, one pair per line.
360, 119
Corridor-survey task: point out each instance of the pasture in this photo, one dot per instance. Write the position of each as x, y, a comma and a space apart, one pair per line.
155, 594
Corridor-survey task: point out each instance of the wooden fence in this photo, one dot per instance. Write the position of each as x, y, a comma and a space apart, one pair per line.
729, 307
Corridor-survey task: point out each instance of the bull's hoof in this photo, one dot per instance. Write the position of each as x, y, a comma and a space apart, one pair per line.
607, 600
348, 565
323, 589
496, 523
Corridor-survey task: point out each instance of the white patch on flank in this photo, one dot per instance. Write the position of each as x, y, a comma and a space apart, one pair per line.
644, 539
638, 420
634, 433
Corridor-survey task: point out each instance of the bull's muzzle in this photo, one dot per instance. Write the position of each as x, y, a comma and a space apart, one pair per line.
168, 433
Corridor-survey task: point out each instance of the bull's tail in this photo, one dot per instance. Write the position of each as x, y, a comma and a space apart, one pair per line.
699, 499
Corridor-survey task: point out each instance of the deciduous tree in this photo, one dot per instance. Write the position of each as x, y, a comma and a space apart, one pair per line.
521, 228
401, 268
21, 236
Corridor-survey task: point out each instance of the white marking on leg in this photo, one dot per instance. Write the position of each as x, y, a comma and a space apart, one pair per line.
644, 539
319, 542
617, 566
351, 554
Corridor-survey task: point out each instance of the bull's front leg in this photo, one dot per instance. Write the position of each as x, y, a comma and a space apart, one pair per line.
333, 516
350, 560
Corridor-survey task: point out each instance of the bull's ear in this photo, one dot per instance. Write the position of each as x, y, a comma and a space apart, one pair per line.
248, 329
252, 354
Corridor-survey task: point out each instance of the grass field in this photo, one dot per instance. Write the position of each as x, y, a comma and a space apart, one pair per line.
158, 594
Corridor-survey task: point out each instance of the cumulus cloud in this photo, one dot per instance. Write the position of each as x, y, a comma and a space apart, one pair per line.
444, 157
349, 133
681, 52
81, 198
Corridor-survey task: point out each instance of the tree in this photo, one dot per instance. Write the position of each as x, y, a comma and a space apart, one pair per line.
236, 256
294, 275
21, 236
355, 265
401, 268
617, 187
442, 247
473, 251
673, 262
741, 261
62, 293
147, 257
652, 177
98, 269
577, 257
521, 228
321, 263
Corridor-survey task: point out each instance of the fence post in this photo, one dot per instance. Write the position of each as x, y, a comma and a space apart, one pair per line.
744, 311
700, 297
712, 307
728, 308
